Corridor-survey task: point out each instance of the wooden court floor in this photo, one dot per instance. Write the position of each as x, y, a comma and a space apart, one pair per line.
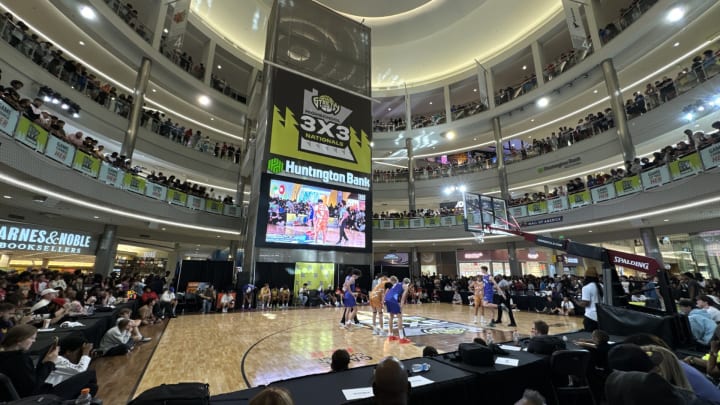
243, 349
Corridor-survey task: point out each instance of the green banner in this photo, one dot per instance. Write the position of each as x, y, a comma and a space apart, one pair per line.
402, 223
134, 183
216, 207
686, 166
579, 199
86, 163
177, 197
628, 185
432, 221
376, 224
31, 134
537, 208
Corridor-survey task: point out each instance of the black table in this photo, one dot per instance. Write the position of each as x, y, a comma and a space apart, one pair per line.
501, 384
450, 384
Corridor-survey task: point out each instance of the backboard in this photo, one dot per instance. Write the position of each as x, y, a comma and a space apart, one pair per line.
482, 211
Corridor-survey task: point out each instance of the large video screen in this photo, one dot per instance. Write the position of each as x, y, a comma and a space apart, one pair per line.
310, 214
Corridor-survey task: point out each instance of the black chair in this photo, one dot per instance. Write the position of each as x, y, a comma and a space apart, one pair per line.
569, 369
314, 298
7, 389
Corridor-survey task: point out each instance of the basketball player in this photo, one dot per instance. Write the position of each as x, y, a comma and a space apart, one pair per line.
284, 296
377, 296
248, 295
265, 296
320, 222
349, 297
489, 288
477, 287
394, 300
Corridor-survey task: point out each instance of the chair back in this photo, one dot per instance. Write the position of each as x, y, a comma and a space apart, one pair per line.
570, 363
7, 389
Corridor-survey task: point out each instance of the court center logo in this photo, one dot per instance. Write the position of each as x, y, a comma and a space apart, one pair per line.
275, 166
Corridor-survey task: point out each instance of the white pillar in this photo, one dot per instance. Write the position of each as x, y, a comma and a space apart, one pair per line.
159, 25
209, 57
592, 24
448, 110
538, 61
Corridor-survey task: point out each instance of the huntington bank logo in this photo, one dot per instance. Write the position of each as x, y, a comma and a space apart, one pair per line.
326, 104
275, 166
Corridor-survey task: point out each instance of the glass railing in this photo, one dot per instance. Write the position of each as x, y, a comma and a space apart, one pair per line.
127, 13
691, 164
461, 111
512, 92
700, 69
106, 168
85, 81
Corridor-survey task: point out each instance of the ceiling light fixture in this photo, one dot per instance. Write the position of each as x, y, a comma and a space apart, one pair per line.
87, 12
7, 197
165, 31
372, 144
431, 103
389, 109
595, 91
676, 44
154, 90
475, 90
96, 217
204, 100
675, 14
524, 67
543, 102
450, 135
219, 66
81, 43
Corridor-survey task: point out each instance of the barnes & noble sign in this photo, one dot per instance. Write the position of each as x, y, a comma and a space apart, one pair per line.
40, 239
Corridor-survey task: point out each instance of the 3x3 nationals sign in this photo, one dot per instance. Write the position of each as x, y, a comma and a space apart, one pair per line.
39, 239
320, 124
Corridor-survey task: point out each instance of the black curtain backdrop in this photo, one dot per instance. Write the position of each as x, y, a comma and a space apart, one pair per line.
218, 273
275, 274
400, 272
364, 282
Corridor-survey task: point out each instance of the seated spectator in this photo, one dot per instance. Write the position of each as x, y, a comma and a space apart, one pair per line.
701, 324
73, 360
168, 303
390, 383
29, 379
208, 297
272, 396
340, 360
430, 351
135, 325
567, 308
549, 306
531, 397
146, 313
668, 366
118, 339
541, 342
706, 304
636, 388
227, 301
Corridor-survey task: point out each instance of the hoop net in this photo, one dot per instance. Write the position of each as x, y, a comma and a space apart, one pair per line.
479, 237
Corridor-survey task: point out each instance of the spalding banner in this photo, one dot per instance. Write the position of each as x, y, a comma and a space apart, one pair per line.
320, 124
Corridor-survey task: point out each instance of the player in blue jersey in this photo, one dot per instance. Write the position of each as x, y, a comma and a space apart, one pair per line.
394, 300
349, 297
489, 287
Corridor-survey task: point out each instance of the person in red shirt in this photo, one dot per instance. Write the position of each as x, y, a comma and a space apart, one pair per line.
149, 294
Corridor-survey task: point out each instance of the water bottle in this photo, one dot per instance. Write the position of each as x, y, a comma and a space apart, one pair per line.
516, 337
489, 337
85, 398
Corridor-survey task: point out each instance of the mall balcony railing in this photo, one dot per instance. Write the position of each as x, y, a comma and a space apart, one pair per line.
87, 84
686, 166
627, 17
35, 137
128, 14
697, 72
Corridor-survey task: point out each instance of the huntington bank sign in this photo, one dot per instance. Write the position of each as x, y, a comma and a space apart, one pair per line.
292, 167
28, 238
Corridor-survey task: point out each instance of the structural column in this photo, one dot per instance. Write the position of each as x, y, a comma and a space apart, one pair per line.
408, 112
538, 61
141, 82
240, 192
159, 25
612, 84
209, 58
414, 263
592, 24
107, 250
652, 247
411, 174
515, 268
174, 257
448, 106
